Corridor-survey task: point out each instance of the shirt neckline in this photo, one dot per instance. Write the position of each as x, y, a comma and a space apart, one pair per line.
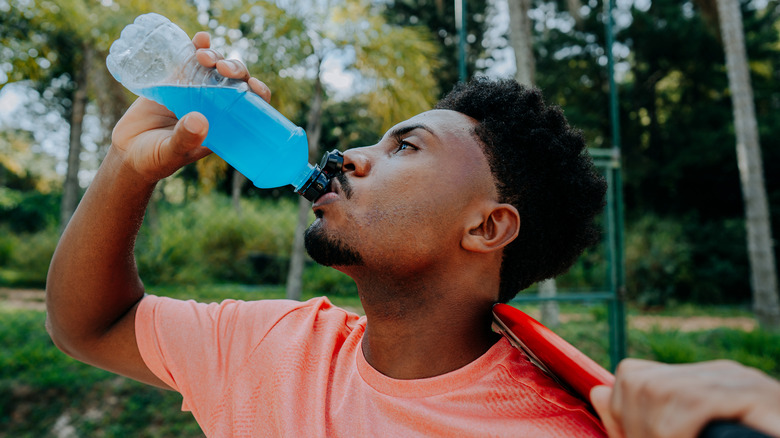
430, 386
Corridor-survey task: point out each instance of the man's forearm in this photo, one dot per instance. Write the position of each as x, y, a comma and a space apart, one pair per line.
93, 279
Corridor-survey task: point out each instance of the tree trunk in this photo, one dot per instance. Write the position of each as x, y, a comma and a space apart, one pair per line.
235, 194
757, 221
70, 190
294, 288
550, 309
521, 40
574, 6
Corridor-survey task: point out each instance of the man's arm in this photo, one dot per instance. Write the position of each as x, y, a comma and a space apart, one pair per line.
651, 399
93, 288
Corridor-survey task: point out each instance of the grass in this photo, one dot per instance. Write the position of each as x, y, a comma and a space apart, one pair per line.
41, 387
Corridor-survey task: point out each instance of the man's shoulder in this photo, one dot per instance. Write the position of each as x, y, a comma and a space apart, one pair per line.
231, 318
229, 306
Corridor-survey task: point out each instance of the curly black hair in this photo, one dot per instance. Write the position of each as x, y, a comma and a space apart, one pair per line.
541, 166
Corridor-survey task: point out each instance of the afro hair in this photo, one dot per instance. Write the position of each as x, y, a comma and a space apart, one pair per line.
542, 167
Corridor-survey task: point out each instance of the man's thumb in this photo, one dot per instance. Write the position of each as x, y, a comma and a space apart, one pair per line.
190, 132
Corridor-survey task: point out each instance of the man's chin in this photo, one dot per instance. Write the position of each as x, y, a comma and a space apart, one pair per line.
327, 250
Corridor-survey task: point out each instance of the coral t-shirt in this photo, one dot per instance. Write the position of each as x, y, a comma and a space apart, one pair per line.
285, 368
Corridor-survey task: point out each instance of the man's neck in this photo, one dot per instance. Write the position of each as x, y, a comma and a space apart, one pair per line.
418, 331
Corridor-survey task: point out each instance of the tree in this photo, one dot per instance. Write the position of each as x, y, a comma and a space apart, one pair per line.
522, 41
438, 16
52, 46
751, 169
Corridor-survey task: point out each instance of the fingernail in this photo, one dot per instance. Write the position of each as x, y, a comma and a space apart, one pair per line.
193, 125
233, 66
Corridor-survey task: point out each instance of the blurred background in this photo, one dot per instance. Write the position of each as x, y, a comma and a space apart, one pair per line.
695, 133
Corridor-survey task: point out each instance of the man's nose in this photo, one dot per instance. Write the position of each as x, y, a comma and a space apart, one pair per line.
357, 161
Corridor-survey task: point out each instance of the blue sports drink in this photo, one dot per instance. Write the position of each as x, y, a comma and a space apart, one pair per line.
156, 59
244, 130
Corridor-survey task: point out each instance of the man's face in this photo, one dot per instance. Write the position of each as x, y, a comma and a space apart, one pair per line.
402, 203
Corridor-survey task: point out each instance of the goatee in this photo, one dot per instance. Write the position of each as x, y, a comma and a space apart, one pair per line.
327, 250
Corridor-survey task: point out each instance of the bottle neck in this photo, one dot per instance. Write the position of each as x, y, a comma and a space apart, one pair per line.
309, 172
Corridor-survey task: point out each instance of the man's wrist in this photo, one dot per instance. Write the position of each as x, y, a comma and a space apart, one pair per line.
121, 170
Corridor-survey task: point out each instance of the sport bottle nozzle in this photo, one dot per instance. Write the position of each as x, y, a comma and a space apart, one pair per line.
319, 181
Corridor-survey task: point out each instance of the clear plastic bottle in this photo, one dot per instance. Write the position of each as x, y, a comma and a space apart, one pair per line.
155, 58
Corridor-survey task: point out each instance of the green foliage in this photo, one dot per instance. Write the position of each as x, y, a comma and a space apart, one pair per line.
6, 246
322, 280
28, 211
757, 348
209, 241
26, 256
669, 347
719, 261
396, 60
589, 272
438, 18
677, 140
658, 260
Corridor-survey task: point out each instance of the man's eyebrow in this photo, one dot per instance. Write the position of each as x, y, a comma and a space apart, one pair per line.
400, 131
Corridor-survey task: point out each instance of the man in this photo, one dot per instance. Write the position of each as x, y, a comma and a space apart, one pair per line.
451, 211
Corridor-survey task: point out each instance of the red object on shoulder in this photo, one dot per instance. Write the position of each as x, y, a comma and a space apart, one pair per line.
565, 364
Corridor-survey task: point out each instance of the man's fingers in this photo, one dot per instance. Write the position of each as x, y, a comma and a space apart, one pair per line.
232, 68
632, 365
260, 89
202, 40
208, 57
599, 398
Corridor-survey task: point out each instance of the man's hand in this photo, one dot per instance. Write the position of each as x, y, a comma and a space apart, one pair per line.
656, 400
154, 143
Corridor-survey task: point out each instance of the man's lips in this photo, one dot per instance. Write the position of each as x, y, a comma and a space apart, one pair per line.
330, 196
325, 199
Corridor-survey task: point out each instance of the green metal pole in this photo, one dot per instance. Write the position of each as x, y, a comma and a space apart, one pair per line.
613, 96
460, 25
621, 335
617, 313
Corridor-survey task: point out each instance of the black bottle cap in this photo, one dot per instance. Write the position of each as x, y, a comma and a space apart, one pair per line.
319, 182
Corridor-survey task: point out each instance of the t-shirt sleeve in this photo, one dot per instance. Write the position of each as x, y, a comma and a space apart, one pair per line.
194, 347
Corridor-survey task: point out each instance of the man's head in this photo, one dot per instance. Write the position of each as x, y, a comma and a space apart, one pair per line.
491, 172
400, 206
540, 166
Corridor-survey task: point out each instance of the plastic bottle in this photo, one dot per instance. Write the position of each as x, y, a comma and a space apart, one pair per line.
155, 58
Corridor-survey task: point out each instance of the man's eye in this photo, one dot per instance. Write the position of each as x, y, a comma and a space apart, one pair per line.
403, 145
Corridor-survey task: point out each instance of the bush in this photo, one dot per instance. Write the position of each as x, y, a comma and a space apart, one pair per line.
757, 348
323, 280
720, 261
6, 245
28, 256
589, 272
168, 251
207, 240
658, 261
28, 212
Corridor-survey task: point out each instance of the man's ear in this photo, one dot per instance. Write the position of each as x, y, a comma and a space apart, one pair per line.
492, 228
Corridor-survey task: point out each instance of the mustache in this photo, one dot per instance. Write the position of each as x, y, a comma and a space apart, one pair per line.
346, 186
